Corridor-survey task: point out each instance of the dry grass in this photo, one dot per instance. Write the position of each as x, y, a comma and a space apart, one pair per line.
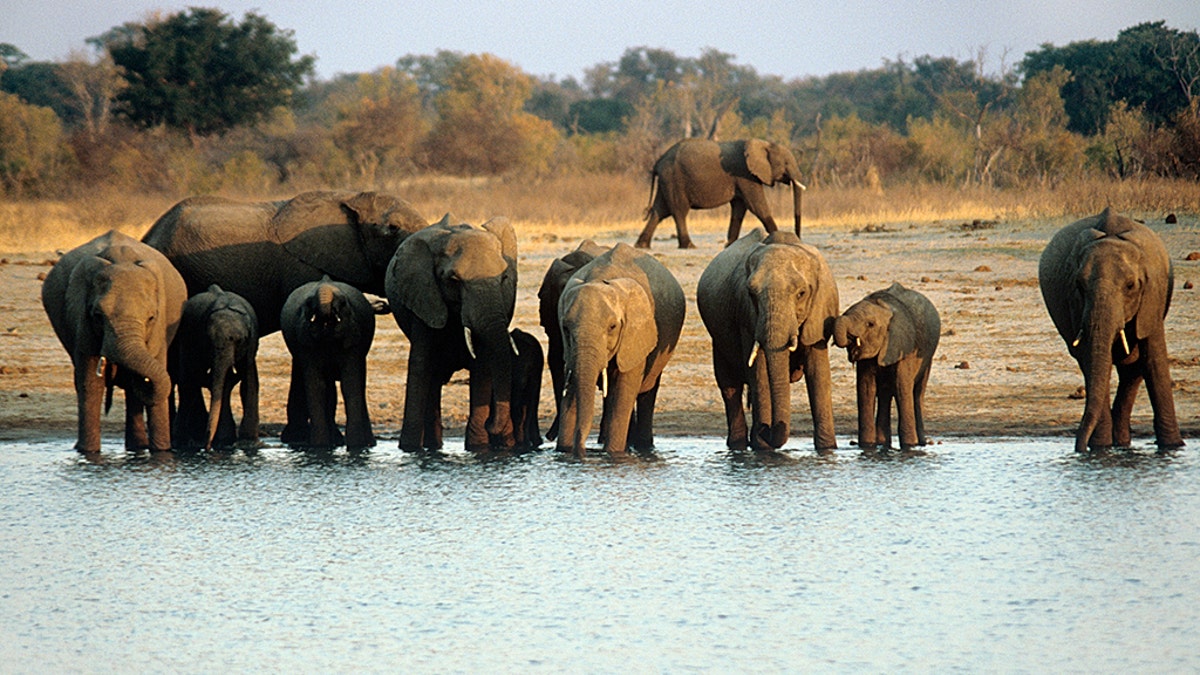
612, 206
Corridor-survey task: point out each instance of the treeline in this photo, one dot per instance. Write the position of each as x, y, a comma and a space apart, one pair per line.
198, 102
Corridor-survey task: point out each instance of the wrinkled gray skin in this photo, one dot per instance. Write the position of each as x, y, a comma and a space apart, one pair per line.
548, 294
215, 349
769, 303
702, 174
890, 336
115, 305
263, 250
444, 281
1107, 283
527, 389
620, 316
328, 327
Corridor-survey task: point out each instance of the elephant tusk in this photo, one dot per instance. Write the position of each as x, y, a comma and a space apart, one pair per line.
857, 342
604, 383
802, 186
513, 343
1077, 340
467, 337
1124, 341
794, 343
753, 355
100, 366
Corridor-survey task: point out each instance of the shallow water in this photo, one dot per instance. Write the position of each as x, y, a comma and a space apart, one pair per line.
986, 555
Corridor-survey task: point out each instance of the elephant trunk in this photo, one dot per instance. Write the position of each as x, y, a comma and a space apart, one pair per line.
797, 192
1100, 331
580, 397
221, 371
124, 345
779, 377
841, 332
776, 339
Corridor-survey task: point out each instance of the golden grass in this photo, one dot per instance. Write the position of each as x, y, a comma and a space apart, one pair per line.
611, 206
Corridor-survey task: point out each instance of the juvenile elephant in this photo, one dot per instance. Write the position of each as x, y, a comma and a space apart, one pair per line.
701, 174
452, 288
216, 348
769, 303
528, 362
328, 327
263, 250
890, 336
548, 294
620, 316
115, 306
1107, 283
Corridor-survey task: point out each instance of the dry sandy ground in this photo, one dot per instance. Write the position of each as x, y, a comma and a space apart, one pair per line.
1000, 369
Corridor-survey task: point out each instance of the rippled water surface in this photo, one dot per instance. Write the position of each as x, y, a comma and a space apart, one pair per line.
982, 555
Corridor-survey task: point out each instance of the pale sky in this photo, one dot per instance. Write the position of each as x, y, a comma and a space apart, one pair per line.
792, 39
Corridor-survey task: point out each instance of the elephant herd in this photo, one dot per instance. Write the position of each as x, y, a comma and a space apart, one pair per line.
183, 309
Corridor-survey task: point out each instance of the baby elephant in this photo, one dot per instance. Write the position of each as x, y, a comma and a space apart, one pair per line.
528, 363
215, 349
891, 335
328, 327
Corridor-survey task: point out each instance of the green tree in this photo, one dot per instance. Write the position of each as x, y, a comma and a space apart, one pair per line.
200, 72
482, 127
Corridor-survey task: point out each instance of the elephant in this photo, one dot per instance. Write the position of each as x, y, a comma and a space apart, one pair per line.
215, 348
620, 316
264, 250
548, 294
1107, 283
702, 174
452, 288
769, 303
115, 305
890, 336
528, 362
328, 327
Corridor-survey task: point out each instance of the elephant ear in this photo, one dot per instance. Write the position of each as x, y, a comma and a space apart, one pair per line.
901, 332
1158, 281
503, 230
320, 230
412, 282
640, 333
825, 306
758, 162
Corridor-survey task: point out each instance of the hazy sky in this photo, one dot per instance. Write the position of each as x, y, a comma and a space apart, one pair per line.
792, 39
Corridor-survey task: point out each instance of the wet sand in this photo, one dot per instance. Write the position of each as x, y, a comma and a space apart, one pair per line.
1000, 370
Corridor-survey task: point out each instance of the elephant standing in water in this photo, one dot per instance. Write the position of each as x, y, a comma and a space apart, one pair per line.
452, 288
890, 336
702, 174
216, 348
620, 315
528, 363
328, 327
769, 303
263, 250
115, 305
1107, 283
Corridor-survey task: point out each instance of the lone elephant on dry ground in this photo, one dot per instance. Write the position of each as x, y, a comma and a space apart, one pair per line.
620, 316
701, 174
216, 348
1107, 283
890, 336
115, 305
769, 303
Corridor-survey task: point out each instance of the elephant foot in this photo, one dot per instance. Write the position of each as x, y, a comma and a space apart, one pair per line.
358, 442
641, 243
685, 243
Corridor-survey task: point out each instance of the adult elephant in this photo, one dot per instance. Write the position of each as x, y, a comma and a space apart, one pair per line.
115, 306
891, 336
701, 174
548, 294
264, 250
769, 303
1107, 283
216, 348
452, 288
620, 315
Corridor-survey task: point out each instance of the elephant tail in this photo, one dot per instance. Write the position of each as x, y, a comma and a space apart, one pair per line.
653, 193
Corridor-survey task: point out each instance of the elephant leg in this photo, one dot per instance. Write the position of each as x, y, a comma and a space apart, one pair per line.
316, 391
885, 394
89, 394
737, 212
624, 393
905, 406
866, 372
226, 428
647, 235
731, 386
643, 419
756, 201
919, 405
136, 437
188, 429
1129, 380
248, 430
819, 384
478, 439
1159, 387
433, 429
354, 393
419, 394
296, 430
685, 239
